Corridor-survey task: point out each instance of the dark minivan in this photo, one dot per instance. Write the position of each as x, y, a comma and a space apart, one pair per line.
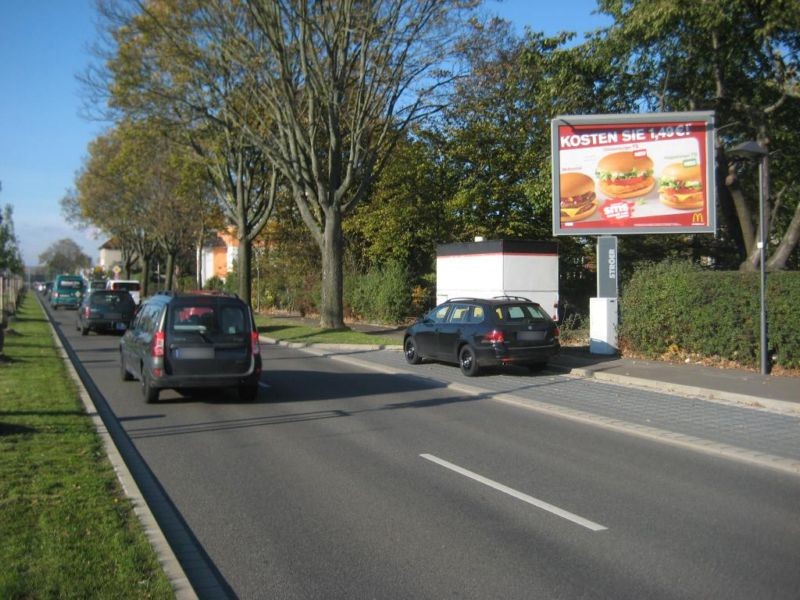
194, 340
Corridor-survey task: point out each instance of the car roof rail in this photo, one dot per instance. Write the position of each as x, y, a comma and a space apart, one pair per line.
464, 299
515, 298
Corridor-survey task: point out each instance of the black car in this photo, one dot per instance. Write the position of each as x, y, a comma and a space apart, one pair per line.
196, 340
476, 333
105, 310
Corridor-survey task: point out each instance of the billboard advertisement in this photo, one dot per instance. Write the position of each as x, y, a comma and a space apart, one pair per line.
633, 174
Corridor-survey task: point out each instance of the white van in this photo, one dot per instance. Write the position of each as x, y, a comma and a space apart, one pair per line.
130, 285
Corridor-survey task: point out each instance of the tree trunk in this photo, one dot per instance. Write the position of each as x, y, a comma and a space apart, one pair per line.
332, 306
145, 276
789, 242
170, 269
245, 280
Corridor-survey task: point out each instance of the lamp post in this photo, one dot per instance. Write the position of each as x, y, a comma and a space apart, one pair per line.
755, 151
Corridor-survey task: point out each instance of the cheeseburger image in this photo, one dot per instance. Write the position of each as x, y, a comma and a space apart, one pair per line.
681, 187
578, 200
625, 175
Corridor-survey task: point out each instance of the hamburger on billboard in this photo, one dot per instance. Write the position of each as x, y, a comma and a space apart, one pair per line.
640, 173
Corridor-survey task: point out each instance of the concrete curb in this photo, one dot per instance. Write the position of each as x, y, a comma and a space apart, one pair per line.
700, 393
721, 450
695, 392
166, 557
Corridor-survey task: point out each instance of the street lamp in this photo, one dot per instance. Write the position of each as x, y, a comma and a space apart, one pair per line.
755, 151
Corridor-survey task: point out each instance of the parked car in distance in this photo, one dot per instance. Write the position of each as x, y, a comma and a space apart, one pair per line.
105, 310
129, 285
476, 333
67, 291
192, 340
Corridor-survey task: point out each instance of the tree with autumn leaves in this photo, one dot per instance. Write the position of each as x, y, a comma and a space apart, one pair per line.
383, 156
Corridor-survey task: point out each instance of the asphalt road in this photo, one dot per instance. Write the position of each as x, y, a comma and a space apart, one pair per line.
340, 482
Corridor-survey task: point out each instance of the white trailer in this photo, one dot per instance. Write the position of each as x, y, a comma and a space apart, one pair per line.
499, 268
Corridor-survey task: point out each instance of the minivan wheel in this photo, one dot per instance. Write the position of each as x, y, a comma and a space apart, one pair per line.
248, 393
468, 362
124, 374
149, 393
410, 350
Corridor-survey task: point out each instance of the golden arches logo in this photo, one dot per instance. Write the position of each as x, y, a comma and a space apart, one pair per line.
698, 217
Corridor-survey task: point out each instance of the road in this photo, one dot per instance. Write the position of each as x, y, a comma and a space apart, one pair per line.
342, 482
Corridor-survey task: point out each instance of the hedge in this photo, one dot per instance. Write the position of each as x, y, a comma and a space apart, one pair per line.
679, 308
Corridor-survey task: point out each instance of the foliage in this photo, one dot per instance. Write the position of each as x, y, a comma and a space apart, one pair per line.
215, 283
67, 529
64, 256
382, 294
10, 257
673, 308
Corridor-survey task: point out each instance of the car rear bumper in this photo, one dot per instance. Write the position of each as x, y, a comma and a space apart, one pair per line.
104, 324
496, 355
207, 381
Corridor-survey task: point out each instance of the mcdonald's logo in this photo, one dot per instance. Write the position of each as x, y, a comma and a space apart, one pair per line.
698, 217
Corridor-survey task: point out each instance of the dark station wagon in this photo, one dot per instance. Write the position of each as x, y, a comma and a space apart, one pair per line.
476, 333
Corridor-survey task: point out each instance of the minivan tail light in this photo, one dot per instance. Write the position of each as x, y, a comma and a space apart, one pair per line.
86, 311
495, 336
158, 345
254, 342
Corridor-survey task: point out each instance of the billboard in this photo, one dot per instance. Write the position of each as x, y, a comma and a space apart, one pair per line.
633, 174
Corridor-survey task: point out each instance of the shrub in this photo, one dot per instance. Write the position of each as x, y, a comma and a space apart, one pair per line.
681, 308
381, 294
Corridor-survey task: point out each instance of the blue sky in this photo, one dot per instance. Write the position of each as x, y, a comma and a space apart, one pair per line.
44, 45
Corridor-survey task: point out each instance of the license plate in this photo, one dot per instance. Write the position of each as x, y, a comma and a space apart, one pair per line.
530, 336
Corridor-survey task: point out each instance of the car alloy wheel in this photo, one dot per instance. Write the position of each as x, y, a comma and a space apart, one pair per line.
468, 362
149, 393
410, 351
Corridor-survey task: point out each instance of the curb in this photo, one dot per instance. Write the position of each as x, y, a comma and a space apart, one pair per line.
166, 557
689, 391
695, 392
759, 459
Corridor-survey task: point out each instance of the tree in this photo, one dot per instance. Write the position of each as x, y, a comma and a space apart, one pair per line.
10, 257
337, 84
64, 256
164, 67
740, 59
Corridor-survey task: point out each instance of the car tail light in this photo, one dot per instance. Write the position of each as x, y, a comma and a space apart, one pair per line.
158, 345
55, 294
86, 311
254, 342
557, 332
495, 336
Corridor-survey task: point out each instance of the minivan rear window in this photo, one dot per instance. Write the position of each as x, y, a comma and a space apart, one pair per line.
70, 283
213, 320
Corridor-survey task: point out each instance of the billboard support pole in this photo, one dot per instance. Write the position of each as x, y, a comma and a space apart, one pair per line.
604, 309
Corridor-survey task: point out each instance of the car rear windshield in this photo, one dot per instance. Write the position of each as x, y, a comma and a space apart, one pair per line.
130, 286
511, 313
212, 320
112, 300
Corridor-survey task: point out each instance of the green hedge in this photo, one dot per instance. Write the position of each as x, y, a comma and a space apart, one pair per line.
681, 308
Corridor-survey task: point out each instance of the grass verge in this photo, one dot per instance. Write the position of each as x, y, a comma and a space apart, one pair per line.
289, 330
67, 529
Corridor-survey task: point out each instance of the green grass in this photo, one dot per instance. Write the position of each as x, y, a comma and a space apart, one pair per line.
296, 331
66, 528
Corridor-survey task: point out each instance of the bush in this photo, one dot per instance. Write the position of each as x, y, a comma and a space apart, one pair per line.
673, 308
382, 294
215, 283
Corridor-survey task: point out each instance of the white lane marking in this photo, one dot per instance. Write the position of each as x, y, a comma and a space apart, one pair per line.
263, 385
518, 495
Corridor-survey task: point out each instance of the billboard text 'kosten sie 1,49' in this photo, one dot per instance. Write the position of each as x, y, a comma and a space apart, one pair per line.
626, 174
